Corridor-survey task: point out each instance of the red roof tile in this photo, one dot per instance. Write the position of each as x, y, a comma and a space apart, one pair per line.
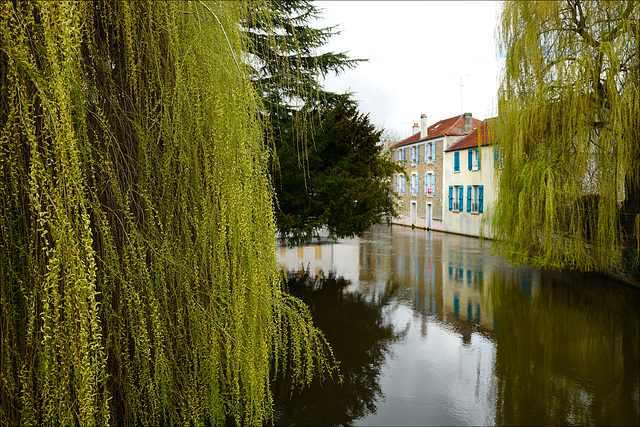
486, 128
451, 126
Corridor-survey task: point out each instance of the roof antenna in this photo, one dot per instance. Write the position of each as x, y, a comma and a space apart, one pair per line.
461, 85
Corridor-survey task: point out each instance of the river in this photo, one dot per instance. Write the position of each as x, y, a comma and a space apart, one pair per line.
432, 329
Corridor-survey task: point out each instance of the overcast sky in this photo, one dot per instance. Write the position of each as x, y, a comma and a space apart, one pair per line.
418, 52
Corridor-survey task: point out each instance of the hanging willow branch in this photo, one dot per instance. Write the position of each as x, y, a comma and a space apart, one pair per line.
138, 277
569, 108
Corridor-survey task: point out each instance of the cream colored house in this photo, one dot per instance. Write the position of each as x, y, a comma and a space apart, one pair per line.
469, 182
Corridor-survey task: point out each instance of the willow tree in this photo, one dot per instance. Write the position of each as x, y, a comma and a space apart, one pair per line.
569, 132
138, 277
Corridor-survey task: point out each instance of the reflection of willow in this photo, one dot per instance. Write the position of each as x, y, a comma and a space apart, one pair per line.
566, 355
359, 334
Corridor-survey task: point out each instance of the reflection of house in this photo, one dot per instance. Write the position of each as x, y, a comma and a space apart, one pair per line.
469, 183
422, 155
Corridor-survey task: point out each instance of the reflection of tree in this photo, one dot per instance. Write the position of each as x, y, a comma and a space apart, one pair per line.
359, 334
566, 355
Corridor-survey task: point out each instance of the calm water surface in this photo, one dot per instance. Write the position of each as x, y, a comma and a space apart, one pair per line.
431, 329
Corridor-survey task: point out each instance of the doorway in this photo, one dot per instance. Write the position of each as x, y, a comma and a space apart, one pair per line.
414, 213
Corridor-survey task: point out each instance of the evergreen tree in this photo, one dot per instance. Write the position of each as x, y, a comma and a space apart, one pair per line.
287, 70
569, 133
348, 188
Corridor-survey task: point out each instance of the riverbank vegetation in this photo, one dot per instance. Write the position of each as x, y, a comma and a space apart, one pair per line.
138, 277
569, 134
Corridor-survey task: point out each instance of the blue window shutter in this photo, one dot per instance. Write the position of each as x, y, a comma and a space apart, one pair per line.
480, 197
468, 198
479, 158
433, 150
496, 156
433, 184
418, 153
425, 184
417, 184
470, 159
402, 182
450, 197
456, 161
461, 198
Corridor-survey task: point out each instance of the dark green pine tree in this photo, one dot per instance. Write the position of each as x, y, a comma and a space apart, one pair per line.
316, 177
284, 57
348, 188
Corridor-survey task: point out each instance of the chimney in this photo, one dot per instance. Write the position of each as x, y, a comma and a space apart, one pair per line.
467, 122
423, 126
415, 129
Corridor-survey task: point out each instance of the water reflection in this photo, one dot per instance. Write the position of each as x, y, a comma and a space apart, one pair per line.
360, 335
567, 351
486, 342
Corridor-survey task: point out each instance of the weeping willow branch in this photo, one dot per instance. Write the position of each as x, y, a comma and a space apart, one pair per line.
138, 276
569, 108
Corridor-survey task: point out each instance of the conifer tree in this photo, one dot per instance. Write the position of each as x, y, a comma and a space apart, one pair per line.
288, 69
569, 133
348, 188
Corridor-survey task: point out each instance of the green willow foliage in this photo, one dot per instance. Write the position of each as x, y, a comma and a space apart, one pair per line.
569, 120
138, 276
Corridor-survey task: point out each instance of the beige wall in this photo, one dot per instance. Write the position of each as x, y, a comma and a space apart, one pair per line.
464, 222
421, 200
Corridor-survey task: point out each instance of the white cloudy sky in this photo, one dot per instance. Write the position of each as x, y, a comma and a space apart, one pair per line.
418, 51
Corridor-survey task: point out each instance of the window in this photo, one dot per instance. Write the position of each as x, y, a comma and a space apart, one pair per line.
497, 158
400, 184
414, 154
456, 193
413, 188
430, 152
474, 159
430, 184
400, 155
475, 195
456, 161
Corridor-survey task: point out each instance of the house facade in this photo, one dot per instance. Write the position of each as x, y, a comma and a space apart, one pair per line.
469, 181
422, 154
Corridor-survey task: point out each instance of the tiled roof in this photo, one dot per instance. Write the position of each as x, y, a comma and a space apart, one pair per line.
451, 126
486, 128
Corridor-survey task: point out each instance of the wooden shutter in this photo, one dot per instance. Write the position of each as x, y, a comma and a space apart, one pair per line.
480, 197
470, 159
451, 197
461, 198
456, 161
433, 184
468, 198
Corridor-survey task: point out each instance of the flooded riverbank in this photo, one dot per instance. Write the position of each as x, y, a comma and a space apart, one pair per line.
434, 330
